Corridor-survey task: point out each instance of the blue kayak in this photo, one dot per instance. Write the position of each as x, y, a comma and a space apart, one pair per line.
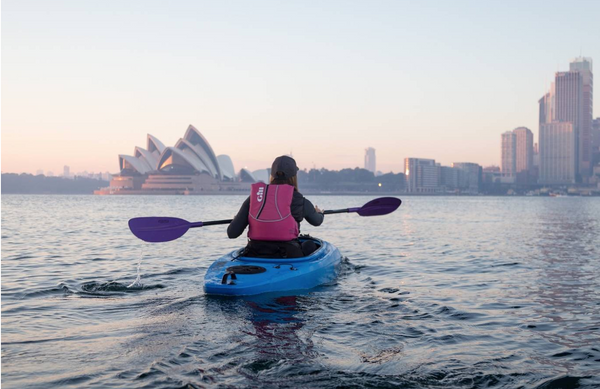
235, 275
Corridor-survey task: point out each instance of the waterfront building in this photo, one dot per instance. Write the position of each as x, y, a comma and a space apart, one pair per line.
470, 176
66, 171
422, 175
370, 161
491, 175
449, 178
189, 167
509, 155
557, 154
461, 177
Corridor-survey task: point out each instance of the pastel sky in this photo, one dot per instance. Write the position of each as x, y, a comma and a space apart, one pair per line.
84, 81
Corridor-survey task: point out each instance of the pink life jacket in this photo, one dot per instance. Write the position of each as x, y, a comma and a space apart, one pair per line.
270, 216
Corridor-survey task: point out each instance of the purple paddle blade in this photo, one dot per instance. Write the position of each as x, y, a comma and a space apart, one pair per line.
380, 206
158, 229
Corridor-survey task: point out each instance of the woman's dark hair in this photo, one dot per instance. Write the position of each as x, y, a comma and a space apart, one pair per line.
293, 181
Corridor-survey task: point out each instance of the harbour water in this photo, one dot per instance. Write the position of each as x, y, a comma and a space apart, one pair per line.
462, 292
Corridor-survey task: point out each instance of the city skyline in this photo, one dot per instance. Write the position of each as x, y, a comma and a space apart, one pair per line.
401, 78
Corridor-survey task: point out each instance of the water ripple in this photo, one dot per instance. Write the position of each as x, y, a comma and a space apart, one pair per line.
447, 292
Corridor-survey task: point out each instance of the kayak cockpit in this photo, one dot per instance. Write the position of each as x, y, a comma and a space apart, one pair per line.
315, 254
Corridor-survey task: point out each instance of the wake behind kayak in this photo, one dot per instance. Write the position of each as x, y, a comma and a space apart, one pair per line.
236, 275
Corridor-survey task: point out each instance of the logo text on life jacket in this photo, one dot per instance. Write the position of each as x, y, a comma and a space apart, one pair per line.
259, 194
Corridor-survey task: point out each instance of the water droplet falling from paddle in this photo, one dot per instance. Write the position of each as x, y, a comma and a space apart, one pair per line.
138, 280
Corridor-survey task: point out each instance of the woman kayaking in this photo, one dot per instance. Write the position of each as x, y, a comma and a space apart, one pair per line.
273, 213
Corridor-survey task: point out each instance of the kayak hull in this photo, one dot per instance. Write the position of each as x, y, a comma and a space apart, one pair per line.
229, 276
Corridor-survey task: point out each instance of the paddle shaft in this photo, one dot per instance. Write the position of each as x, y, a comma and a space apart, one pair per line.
210, 223
345, 210
227, 221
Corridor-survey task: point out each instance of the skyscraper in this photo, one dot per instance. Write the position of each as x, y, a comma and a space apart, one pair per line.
570, 100
568, 97
509, 154
596, 132
557, 153
596, 142
524, 149
568, 105
583, 66
370, 161
535, 171
547, 106
66, 171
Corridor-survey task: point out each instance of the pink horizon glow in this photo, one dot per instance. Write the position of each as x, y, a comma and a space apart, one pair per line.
84, 82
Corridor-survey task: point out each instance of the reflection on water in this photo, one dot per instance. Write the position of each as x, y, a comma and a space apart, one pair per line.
566, 291
446, 292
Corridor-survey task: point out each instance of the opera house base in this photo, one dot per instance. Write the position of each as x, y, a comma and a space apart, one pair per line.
170, 184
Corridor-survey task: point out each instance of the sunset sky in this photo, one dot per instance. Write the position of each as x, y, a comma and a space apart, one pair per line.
84, 81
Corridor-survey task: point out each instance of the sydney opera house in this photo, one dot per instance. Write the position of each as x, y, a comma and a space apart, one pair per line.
190, 167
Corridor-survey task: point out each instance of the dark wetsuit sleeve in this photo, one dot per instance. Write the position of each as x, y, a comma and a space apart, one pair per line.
240, 221
310, 215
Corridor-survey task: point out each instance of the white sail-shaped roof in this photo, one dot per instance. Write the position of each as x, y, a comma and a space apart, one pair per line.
147, 157
261, 175
192, 154
226, 166
154, 146
174, 156
188, 149
128, 162
203, 150
246, 176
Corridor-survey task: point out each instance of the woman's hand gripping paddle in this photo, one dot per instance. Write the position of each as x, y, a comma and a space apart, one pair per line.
165, 229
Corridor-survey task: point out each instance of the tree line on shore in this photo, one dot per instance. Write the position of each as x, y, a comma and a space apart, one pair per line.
350, 180
319, 180
30, 184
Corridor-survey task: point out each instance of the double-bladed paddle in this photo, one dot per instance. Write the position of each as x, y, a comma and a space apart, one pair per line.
165, 229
